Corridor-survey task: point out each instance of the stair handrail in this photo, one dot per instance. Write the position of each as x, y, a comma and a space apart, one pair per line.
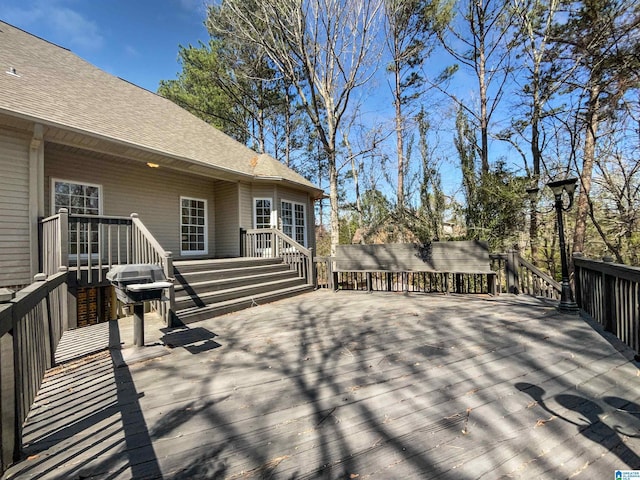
273, 243
544, 276
521, 276
304, 265
146, 249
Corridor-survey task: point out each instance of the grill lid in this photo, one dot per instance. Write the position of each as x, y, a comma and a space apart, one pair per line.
121, 275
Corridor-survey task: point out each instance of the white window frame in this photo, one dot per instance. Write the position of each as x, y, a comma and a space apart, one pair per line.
77, 182
205, 251
272, 216
74, 256
293, 219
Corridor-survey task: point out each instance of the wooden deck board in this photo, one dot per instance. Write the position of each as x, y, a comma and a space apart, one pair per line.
336, 385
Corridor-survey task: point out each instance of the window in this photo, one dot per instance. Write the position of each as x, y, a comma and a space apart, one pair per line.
193, 225
262, 212
293, 221
79, 199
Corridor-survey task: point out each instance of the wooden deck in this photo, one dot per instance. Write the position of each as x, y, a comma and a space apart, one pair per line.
344, 385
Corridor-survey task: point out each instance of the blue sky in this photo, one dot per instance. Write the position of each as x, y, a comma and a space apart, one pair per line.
134, 39
138, 41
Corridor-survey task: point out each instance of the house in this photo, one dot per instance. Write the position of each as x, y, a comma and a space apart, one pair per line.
73, 136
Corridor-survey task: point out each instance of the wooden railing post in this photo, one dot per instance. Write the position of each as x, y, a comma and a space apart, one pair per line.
513, 276
18, 387
8, 448
609, 300
275, 250
170, 307
577, 274
243, 241
63, 235
47, 324
311, 268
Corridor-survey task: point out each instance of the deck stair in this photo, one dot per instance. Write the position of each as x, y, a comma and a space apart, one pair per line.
207, 288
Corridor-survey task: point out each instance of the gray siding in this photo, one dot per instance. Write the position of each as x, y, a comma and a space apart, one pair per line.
246, 205
153, 193
227, 226
15, 263
247, 192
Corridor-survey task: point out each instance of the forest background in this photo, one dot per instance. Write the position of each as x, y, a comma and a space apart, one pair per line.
429, 119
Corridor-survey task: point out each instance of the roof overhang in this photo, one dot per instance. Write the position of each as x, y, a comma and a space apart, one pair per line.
76, 138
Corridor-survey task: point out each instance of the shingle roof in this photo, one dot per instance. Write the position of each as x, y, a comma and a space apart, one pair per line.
54, 86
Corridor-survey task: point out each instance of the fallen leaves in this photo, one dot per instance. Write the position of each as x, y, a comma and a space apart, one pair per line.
541, 422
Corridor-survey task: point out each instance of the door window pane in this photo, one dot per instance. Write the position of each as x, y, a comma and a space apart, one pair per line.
293, 221
263, 212
193, 225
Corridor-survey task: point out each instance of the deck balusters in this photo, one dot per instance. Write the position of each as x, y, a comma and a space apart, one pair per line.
272, 243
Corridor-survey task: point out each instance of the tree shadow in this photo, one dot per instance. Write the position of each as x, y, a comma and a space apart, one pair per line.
336, 386
591, 426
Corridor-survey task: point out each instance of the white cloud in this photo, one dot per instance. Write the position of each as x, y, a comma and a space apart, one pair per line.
80, 31
131, 51
66, 26
198, 6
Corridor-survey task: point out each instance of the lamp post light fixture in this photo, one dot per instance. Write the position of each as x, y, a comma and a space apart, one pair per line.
559, 187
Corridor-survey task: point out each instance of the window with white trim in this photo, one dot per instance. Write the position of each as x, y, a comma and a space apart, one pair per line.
262, 212
78, 198
294, 221
193, 226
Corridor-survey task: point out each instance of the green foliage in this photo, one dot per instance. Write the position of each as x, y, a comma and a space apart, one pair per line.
197, 89
495, 208
432, 198
498, 214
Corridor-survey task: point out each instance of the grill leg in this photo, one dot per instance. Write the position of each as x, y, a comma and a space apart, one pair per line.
138, 324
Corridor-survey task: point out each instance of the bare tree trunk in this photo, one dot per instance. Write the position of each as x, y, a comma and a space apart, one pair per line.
482, 86
333, 200
399, 137
288, 127
535, 156
582, 210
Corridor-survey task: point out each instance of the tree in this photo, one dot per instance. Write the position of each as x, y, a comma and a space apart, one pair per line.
411, 28
494, 200
465, 143
614, 206
598, 43
197, 91
540, 83
323, 49
432, 198
485, 51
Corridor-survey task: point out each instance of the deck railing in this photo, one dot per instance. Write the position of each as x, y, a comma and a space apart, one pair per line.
609, 293
93, 244
514, 274
517, 275
146, 249
272, 243
31, 325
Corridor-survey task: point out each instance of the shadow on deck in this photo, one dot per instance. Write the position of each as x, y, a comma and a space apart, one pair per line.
344, 385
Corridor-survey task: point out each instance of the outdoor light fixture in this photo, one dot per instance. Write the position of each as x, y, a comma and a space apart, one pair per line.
152, 165
533, 194
559, 188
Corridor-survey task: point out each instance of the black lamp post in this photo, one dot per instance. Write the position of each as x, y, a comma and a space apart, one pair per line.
559, 187
567, 304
